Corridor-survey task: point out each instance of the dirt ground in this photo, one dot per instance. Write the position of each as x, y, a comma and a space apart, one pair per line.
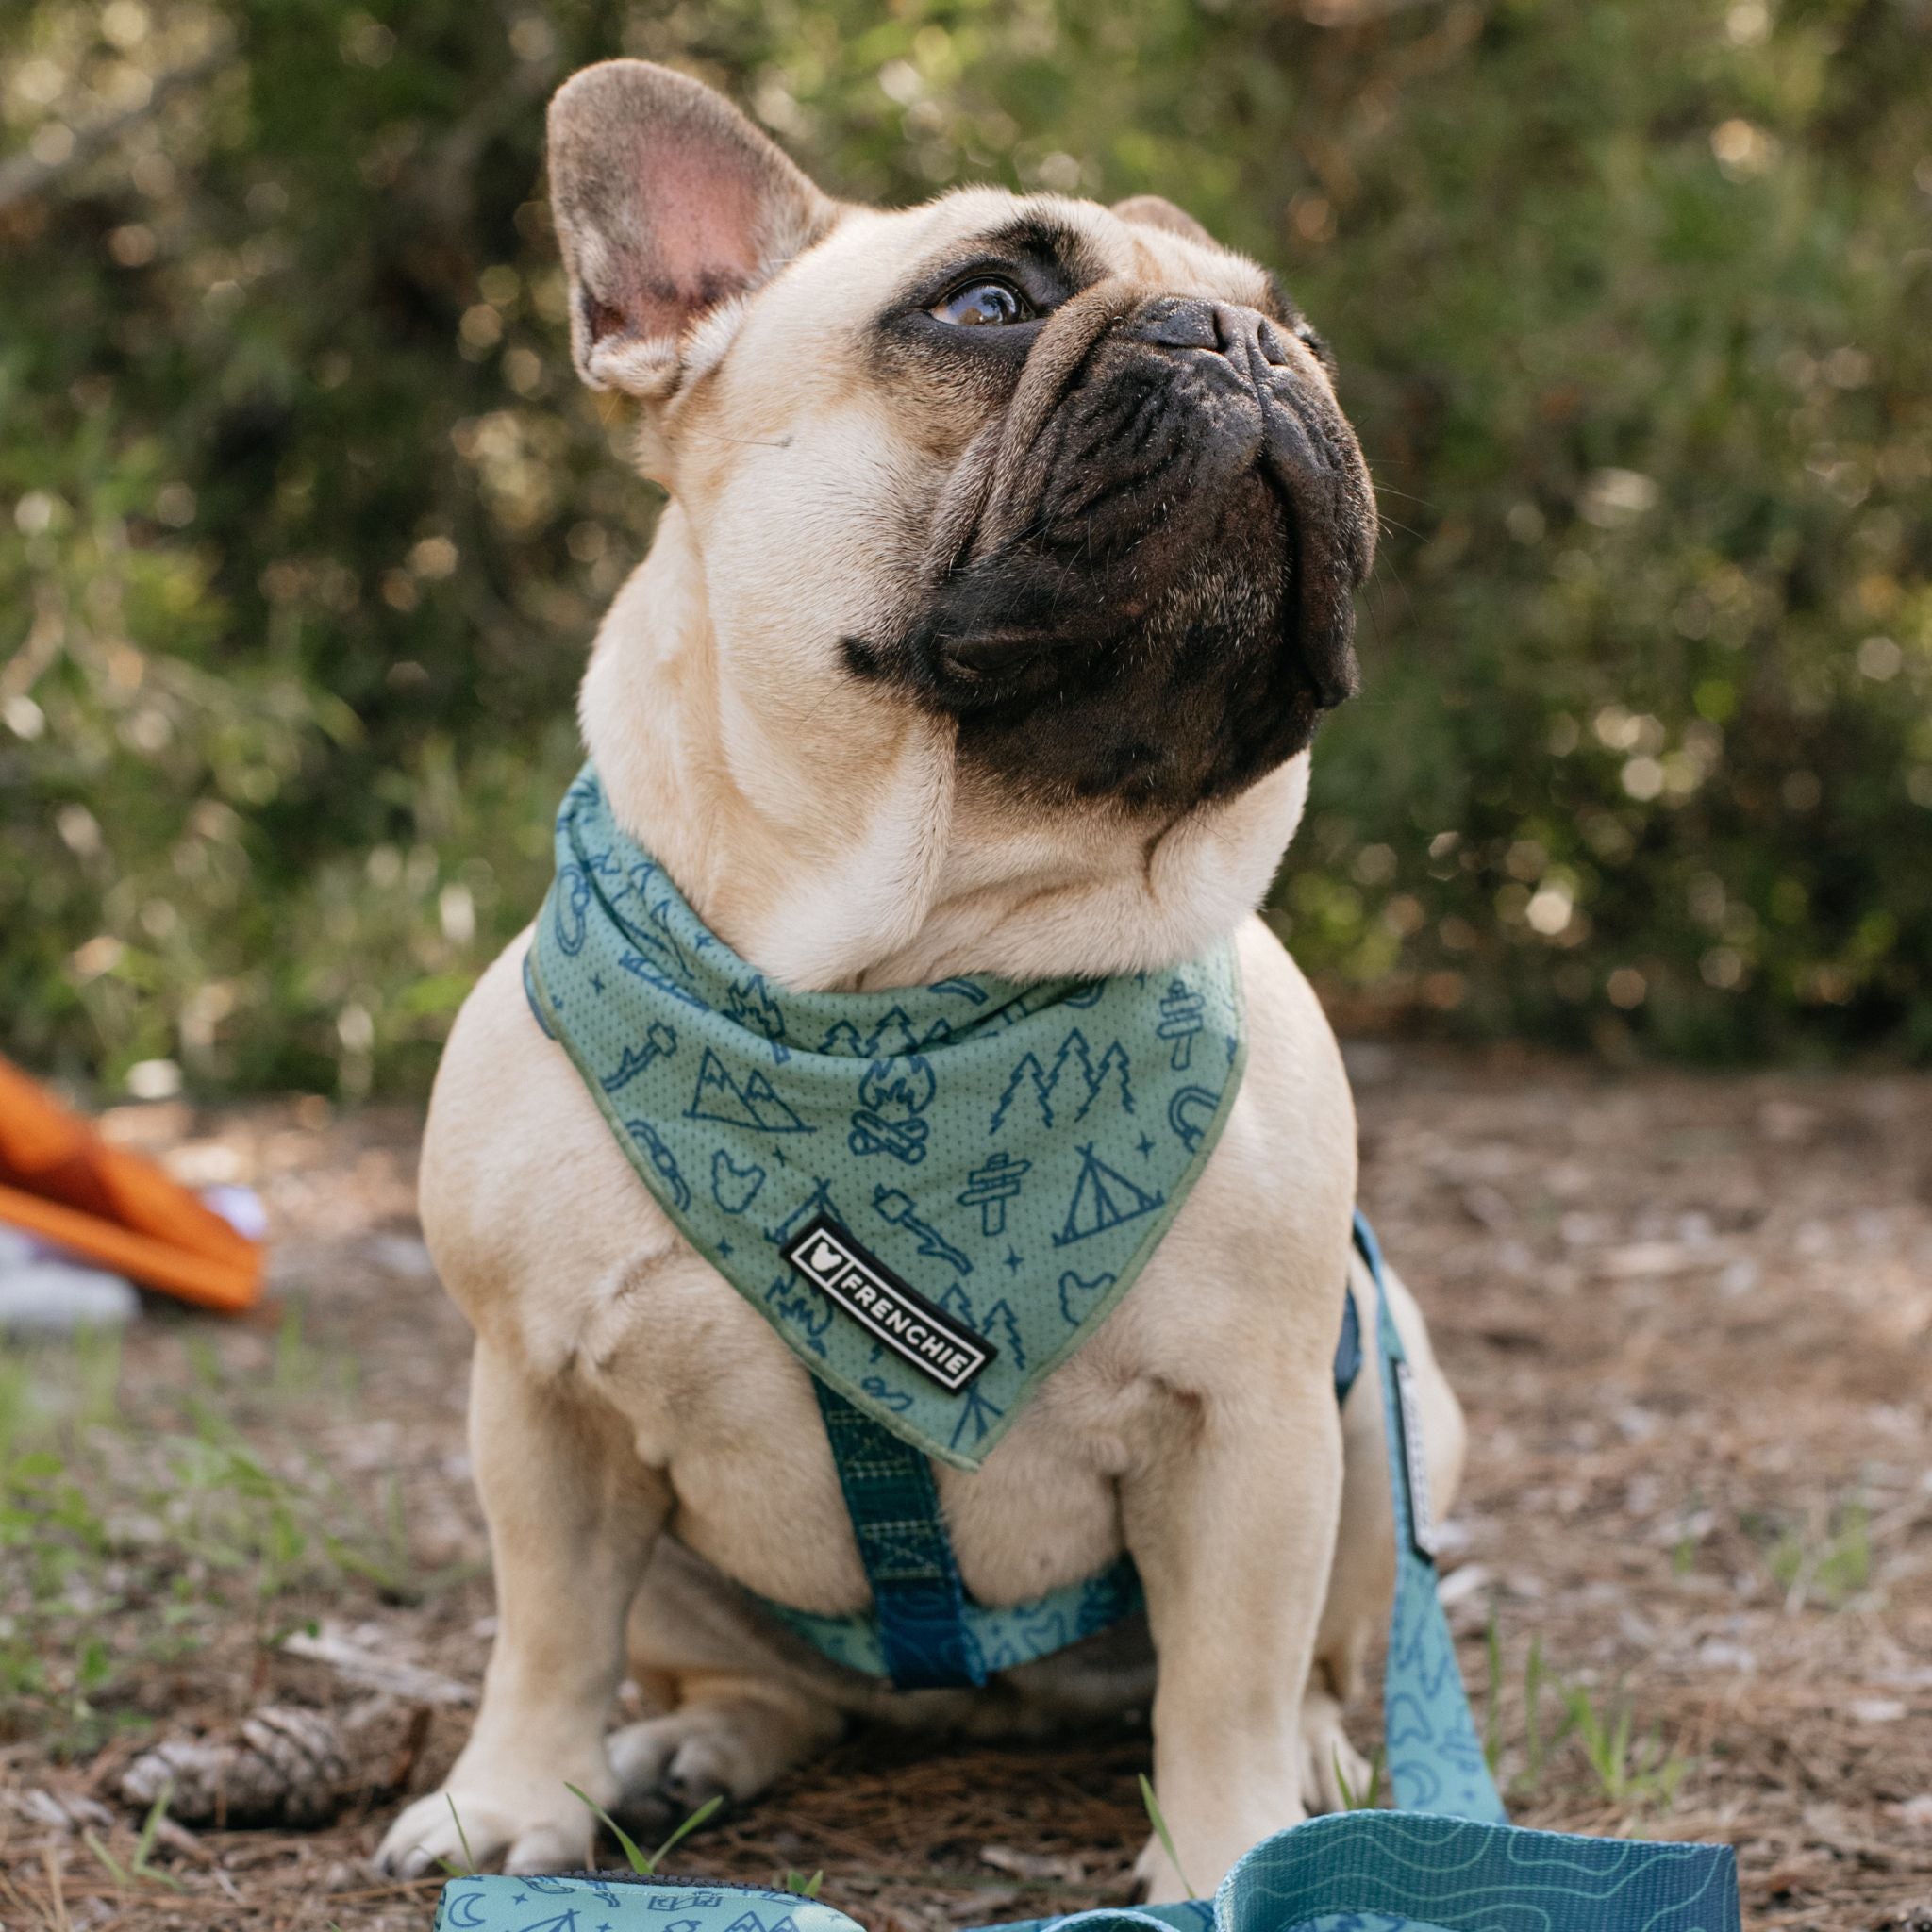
1692, 1320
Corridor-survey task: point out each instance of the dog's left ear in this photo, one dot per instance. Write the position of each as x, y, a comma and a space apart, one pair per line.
668, 202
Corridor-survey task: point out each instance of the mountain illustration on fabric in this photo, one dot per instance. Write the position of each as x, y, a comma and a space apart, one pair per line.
754, 1105
1074, 1058
1102, 1198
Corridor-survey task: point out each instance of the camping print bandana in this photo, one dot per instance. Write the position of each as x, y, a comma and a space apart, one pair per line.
1011, 1153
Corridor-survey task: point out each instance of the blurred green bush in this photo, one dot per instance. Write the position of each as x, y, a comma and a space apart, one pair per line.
305, 525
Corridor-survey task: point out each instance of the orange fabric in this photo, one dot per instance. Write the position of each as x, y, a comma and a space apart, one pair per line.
59, 1179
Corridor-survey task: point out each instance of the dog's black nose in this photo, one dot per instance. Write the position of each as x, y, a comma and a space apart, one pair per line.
1183, 322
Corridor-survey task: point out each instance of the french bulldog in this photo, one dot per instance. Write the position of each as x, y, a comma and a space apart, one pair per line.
1007, 570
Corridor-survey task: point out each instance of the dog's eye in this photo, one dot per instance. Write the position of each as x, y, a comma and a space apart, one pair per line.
982, 302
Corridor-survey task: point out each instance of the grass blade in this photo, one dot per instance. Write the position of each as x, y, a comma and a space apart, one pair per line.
685, 1831
469, 1867
1162, 1832
642, 1866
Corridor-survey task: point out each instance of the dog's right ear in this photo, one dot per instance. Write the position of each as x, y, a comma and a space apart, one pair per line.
668, 202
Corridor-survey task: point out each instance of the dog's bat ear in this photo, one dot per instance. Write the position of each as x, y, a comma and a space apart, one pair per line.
1156, 211
668, 202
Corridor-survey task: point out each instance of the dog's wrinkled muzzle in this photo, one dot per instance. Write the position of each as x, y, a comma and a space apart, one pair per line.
1280, 416
1142, 571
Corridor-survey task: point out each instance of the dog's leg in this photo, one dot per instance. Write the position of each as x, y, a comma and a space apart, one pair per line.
1233, 1528
1361, 1586
742, 1707
573, 1516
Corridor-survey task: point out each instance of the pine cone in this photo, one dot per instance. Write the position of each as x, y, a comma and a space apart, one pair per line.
283, 1766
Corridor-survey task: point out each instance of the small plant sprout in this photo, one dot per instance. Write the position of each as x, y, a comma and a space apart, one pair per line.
138, 1867
1492, 1697
799, 1885
1828, 1567
1371, 1797
1162, 1832
1533, 1716
1628, 1771
645, 1864
468, 1868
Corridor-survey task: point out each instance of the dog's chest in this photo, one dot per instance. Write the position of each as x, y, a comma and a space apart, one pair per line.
714, 1399
562, 1259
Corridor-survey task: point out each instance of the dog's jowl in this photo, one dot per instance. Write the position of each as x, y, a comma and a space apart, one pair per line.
897, 1179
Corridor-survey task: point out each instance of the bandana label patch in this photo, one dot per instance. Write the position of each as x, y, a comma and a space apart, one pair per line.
853, 1278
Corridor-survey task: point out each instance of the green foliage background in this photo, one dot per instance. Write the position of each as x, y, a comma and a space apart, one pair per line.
304, 525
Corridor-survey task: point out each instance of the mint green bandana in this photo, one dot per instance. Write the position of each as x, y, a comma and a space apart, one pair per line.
934, 1194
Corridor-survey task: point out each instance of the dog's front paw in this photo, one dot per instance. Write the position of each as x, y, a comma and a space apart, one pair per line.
462, 1826
1208, 1851
725, 1747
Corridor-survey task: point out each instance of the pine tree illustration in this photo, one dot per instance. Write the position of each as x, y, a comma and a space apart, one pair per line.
1027, 1069
842, 1038
1074, 1049
1114, 1060
1000, 1326
892, 1034
1102, 1198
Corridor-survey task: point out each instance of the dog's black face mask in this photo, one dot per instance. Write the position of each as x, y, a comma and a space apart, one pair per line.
1143, 568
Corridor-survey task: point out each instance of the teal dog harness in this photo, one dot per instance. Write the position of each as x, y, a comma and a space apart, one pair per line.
934, 1195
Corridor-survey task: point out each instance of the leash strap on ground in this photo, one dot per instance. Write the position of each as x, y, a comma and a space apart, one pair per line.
1356, 1871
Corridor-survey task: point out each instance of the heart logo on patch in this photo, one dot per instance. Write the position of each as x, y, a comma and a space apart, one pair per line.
734, 1188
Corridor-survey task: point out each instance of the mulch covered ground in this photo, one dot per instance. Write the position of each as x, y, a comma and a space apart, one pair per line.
1692, 1320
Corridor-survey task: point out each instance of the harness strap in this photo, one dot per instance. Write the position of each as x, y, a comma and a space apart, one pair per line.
1436, 1761
918, 1602
925, 1633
